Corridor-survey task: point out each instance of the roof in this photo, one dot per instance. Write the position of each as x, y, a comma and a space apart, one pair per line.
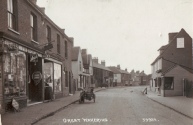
167, 46
75, 52
114, 69
125, 72
142, 74
172, 67
100, 66
163, 47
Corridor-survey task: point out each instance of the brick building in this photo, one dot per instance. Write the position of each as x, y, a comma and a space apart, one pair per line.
173, 65
34, 50
102, 75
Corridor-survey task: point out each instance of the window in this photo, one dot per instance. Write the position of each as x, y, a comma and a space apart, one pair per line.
33, 20
80, 66
58, 43
66, 49
14, 74
48, 73
48, 34
168, 83
180, 42
57, 78
66, 78
12, 14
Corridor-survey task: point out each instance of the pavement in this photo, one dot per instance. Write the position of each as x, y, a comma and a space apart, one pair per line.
180, 104
32, 114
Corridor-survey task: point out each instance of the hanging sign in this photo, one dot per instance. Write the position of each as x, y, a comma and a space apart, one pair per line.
48, 47
37, 77
34, 58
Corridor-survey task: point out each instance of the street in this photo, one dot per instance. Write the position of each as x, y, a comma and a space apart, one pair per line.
117, 106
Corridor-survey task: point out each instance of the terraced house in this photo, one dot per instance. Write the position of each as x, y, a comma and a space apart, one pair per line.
172, 69
34, 51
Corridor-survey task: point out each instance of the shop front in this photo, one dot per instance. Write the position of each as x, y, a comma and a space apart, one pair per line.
27, 76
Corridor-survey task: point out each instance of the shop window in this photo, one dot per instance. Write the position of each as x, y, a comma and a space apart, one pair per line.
14, 74
12, 14
48, 73
57, 78
168, 83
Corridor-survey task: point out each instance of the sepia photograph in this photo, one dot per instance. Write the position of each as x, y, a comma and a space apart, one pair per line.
96, 62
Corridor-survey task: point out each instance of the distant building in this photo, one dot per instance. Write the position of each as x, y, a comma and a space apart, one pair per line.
101, 74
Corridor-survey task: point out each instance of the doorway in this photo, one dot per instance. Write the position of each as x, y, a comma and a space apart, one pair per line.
35, 89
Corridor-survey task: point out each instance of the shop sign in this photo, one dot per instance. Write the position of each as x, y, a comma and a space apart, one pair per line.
45, 56
22, 48
15, 104
34, 58
37, 77
48, 47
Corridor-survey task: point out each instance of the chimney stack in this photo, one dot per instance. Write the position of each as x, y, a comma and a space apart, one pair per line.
103, 62
171, 36
84, 51
43, 9
34, 1
95, 59
118, 67
126, 69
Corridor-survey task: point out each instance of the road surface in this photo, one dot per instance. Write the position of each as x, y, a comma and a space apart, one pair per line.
118, 106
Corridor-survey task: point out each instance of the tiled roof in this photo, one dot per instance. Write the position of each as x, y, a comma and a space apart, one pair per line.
172, 67
163, 47
114, 69
100, 66
123, 71
75, 52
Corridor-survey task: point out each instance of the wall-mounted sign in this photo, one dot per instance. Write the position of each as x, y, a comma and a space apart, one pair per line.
45, 56
34, 58
37, 77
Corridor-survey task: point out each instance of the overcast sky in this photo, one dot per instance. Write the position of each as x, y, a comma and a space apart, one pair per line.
125, 32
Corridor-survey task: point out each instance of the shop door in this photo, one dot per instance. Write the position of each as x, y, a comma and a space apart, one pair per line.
35, 89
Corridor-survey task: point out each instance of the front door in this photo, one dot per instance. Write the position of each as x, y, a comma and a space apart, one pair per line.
35, 89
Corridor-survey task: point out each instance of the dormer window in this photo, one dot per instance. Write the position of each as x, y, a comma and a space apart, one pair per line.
180, 42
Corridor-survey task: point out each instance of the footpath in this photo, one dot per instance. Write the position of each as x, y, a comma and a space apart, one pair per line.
180, 104
32, 114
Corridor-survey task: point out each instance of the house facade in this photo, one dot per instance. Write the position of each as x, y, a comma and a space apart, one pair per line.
125, 77
34, 51
101, 74
116, 76
87, 76
77, 67
173, 66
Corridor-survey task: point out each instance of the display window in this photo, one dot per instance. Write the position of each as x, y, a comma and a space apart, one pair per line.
14, 68
57, 78
48, 74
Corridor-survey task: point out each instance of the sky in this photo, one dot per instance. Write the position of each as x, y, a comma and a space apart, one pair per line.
121, 32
